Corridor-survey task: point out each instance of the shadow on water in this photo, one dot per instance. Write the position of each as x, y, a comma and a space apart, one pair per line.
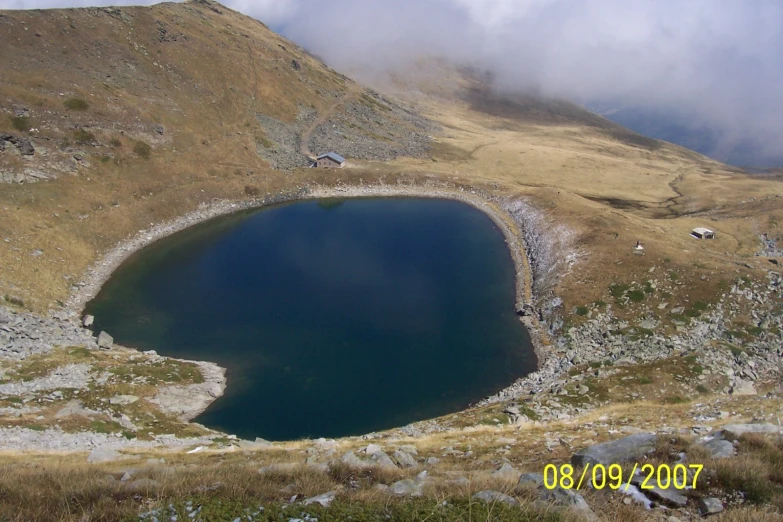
333, 317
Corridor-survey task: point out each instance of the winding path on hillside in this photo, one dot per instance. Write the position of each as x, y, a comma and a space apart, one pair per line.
307, 134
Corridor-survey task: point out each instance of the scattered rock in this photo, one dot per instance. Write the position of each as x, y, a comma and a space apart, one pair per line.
743, 388
735, 431
382, 459
506, 471
562, 497
626, 449
372, 448
88, 320
324, 499
490, 496
719, 448
670, 495
123, 400
404, 459
352, 460
143, 485
710, 506
406, 488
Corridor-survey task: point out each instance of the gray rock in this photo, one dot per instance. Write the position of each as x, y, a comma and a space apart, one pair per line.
710, 506
621, 450
143, 485
743, 388
490, 496
404, 459
734, 431
325, 499
382, 459
372, 448
103, 455
670, 495
105, 340
123, 400
558, 495
409, 449
407, 488
431, 461
188, 401
88, 320
506, 471
352, 460
719, 448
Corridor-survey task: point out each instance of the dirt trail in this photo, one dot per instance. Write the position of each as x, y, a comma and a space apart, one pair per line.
304, 140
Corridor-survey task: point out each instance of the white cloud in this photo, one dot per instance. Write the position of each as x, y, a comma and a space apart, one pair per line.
717, 63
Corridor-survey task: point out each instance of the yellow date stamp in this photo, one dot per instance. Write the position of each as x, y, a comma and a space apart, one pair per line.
613, 476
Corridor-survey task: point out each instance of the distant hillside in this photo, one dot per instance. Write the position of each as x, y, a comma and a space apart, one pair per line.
94, 86
673, 128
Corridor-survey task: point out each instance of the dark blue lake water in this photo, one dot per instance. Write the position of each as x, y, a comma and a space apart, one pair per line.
333, 317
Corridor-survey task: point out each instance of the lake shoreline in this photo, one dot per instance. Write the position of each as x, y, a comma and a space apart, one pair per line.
102, 270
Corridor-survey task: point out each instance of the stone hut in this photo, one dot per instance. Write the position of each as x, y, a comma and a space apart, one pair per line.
330, 160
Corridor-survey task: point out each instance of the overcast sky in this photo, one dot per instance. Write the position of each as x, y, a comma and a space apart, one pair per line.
716, 63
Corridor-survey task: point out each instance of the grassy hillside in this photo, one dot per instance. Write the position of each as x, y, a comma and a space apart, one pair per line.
116, 121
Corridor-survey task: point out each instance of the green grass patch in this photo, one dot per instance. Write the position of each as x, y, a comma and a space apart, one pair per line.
76, 104
702, 389
674, 276
385, 509
142, 149
21, 123
674, 399
13, 300
618, 290
581, 310
495, 419
83, 137
105, 426
645, 380
637, 296
160, 372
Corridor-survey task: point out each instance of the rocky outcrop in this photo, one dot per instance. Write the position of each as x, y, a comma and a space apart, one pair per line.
187, 401
24, 145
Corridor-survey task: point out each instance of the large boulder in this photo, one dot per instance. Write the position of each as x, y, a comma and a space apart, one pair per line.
719, 448
105, 340
626, 449
653, 490
506, 471
735, 431
383, 460
404, 459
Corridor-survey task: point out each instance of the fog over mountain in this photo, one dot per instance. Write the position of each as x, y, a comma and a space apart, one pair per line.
702, 72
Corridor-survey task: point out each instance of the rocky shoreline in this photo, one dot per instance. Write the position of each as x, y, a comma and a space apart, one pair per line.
64, 327
514, 218
542, 250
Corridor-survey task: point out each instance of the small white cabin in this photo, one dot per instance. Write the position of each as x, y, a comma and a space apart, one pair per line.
703, 233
